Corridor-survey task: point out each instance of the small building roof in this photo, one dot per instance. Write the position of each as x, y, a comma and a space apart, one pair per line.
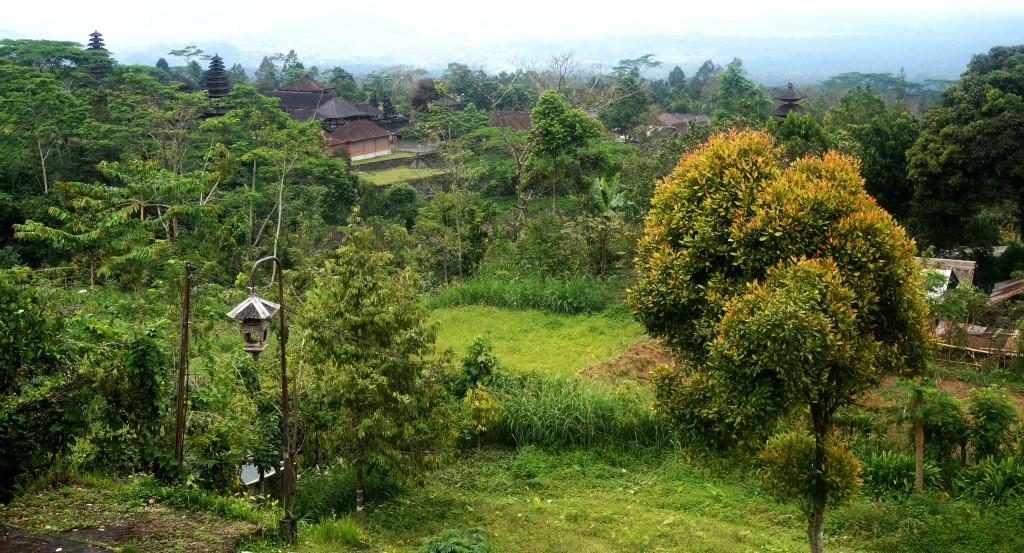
356, 131
301, 105
963, 269
516, 120
339, 108
1006, 289
307, 84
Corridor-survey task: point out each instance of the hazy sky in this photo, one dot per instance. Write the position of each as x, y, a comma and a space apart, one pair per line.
185, 21
403, 29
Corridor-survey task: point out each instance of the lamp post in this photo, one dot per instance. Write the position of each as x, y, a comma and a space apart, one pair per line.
254, 314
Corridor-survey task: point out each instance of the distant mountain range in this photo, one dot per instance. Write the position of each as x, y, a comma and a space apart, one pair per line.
927, 48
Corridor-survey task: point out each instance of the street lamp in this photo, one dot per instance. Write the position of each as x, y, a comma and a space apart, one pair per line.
254, 314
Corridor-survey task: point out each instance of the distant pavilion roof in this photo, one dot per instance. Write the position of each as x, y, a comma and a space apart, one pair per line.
356, 131
339, 108
790, 94
789, 99
307, 84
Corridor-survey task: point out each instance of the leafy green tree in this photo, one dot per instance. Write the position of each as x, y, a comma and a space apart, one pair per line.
125, 226
700, 80
627, 114
267, 76
801, 135
969, 156
450, 235
63, 60
861, 125
371, 349
786, 291
677, 79
559, 132
738, 99
344, 83
39, 114
237, 75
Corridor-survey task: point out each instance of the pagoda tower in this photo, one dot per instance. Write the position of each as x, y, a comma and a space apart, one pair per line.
789, 99
217, 84
96, 45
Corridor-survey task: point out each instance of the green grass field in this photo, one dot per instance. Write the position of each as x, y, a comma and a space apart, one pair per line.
523, 340
397, 174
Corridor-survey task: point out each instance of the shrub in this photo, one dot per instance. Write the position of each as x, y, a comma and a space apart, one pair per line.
333, 531
945, 428
470, 540
992, 480
478, 365
993, 415
890, 473
787, 465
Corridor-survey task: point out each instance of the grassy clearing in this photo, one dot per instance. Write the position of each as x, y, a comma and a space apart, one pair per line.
398, 174
554, 344
396, 155
589, 501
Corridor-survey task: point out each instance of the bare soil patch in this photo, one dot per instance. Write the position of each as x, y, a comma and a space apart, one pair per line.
636, 364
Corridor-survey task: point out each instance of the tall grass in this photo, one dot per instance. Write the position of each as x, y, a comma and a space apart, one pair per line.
537, 409
572, 297
322, 496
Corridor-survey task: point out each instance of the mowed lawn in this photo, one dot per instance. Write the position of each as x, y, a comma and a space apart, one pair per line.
524, 340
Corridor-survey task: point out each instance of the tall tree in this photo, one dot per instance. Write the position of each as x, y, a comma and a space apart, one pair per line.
38, 113
970, 154
559, 132
738, 99
627, 114
267, 76
786, 291
371, 348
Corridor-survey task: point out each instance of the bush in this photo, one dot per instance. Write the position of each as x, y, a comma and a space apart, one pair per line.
470, 540
993, 415
569, 412
945, 428
992, 480
889, 473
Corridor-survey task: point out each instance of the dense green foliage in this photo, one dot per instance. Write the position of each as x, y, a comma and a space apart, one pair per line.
785, 290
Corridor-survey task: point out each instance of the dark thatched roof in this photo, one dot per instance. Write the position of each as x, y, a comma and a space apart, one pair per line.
784, 110
339, 108
790, 94
356, 131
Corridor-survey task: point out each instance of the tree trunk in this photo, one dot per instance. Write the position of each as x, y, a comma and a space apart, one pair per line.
816, 529
821, 420
42, 164
359, 488
280, 208
919, 439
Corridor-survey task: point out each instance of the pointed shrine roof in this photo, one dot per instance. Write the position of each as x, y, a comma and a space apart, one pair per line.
790, 94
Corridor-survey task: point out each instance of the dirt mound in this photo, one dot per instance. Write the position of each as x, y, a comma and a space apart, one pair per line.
635, 365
